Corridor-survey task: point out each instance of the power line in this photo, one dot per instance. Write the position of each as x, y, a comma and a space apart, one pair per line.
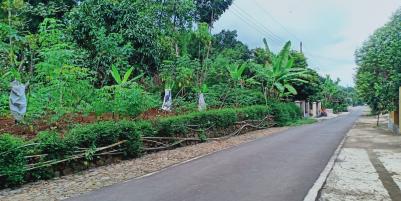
278, 22
261, 28
256, 27
259, 23
296, 37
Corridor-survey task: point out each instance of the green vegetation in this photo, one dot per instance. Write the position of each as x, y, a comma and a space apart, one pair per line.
85, 141
98, 69
378, 74
303, 122
333, 95
103, 56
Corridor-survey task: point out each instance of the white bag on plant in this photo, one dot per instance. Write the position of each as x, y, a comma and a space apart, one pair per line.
201, 102
167, 101
18, 100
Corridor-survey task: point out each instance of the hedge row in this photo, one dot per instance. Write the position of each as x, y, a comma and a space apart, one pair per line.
51, 146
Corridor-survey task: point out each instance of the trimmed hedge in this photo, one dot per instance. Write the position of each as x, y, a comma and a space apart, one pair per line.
91, 136
285, 113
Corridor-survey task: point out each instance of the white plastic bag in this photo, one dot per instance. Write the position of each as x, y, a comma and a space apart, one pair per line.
201, 102
18, 102
167, 101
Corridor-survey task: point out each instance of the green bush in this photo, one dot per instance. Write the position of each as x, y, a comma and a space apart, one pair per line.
222, 118
337, 108
52, 144
285, 113
224, 95
253, 113
102, 134
53, 147
129, 100
12, 160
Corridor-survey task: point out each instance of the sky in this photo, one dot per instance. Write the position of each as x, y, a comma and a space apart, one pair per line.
330, 30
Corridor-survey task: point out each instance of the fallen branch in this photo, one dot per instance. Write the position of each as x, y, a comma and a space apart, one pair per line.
23, 146
154, 141
170, 138
164, 148
82, 155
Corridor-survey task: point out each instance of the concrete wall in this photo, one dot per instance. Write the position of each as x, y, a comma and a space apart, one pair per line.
395, 116
314, 109
309, 109
393, 122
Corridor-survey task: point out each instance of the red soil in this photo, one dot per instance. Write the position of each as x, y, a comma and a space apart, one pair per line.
29, 131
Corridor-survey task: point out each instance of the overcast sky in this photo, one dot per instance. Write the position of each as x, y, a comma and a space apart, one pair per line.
330, 30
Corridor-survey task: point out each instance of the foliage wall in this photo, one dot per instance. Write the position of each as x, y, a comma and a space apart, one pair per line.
70, 52
379, 67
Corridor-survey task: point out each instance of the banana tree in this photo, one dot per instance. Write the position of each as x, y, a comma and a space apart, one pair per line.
278, 75
236, 73
122, 86
123, 80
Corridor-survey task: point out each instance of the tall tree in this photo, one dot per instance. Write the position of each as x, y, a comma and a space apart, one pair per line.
227, 44
209, 11
379, 74
37, 10
117, 32
306, 91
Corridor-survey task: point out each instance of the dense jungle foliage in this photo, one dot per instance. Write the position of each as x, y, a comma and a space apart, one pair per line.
116, 59
66, 50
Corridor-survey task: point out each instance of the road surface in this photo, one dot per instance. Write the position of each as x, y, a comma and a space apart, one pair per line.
280, 167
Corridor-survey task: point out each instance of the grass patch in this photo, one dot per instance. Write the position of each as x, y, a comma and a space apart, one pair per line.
303, 121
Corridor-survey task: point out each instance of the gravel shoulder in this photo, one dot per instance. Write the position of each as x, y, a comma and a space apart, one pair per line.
96, 178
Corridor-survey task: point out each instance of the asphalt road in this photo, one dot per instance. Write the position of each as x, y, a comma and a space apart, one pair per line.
280, 167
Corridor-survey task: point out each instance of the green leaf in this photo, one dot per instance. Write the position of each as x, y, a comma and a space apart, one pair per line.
279, 87
241, 70
291, 89
116, 74
138, 77
205, 89
127, 75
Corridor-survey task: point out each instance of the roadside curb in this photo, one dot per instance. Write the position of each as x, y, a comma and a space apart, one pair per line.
313, 192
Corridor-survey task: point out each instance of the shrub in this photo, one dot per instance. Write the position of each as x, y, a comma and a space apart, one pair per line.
224, 95
12, 160
222, 118
129, 100
102, 134
285, 113
254, 113
52, 144
337, 108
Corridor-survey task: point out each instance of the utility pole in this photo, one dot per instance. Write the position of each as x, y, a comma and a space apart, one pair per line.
300, 47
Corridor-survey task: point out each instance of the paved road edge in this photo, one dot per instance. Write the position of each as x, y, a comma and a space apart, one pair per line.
314, 191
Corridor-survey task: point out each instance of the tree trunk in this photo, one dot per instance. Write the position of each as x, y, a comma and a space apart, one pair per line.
378, 119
